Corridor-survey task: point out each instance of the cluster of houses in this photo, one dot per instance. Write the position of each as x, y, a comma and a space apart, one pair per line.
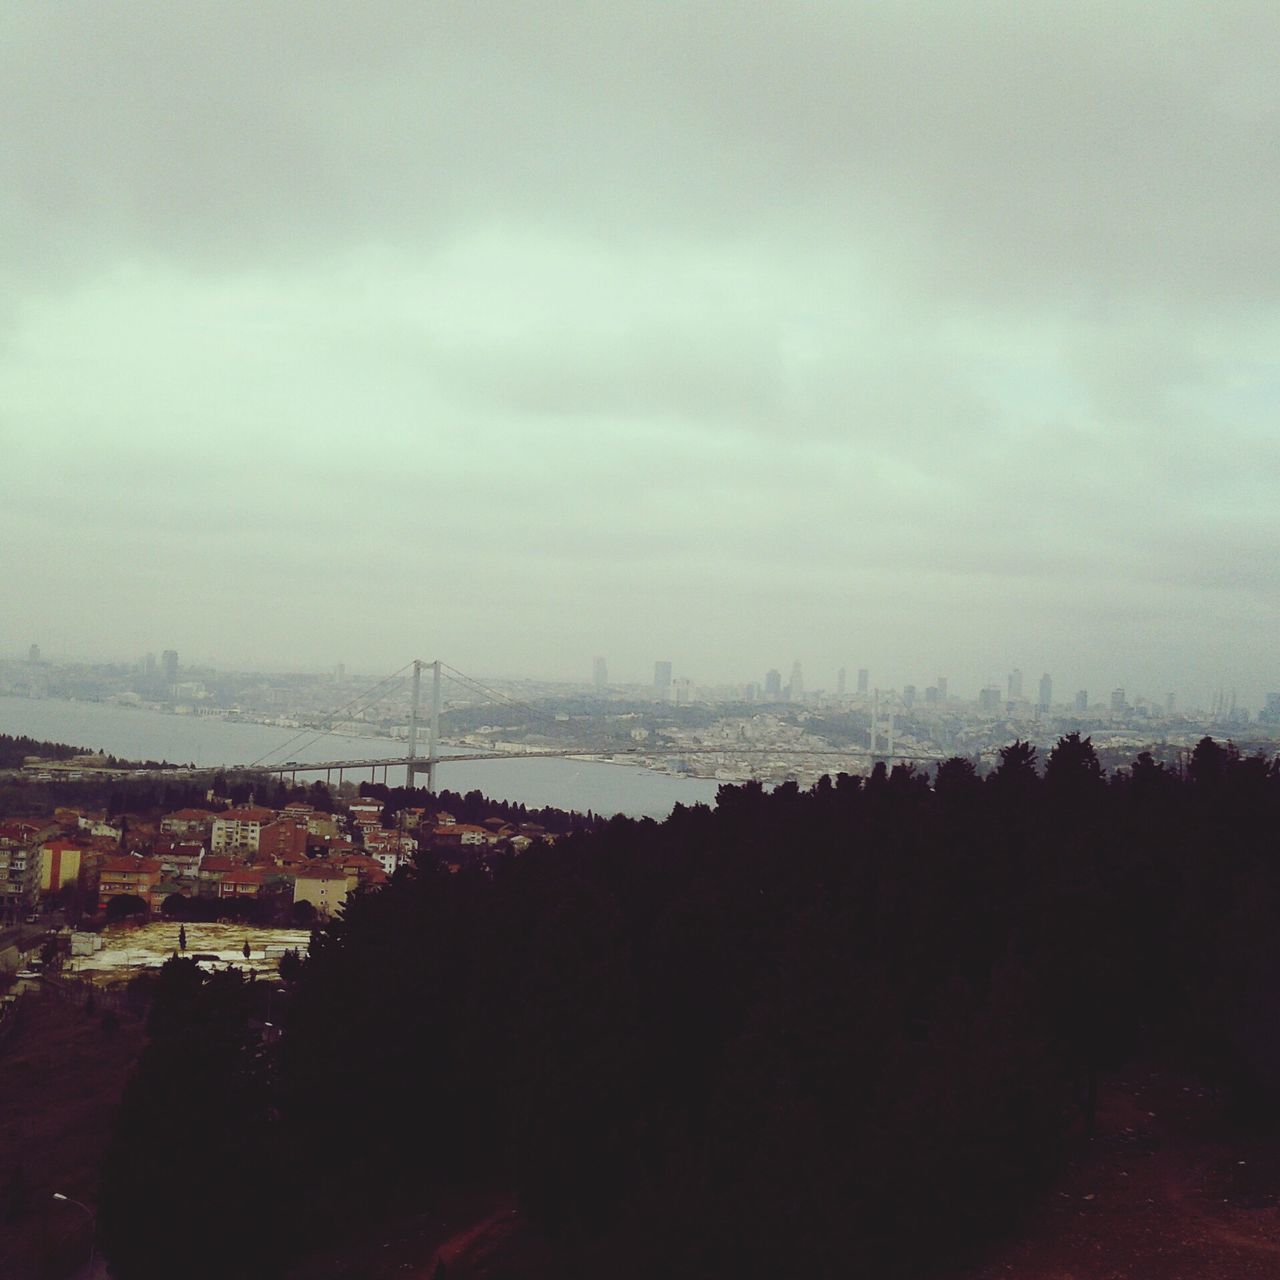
292, 855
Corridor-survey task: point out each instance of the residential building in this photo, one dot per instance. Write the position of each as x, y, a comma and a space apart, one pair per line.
188, 822
19, 877
278, 839
59, 864
325, 888
240, 829
242, 882
212, 870
462, 833
121, 875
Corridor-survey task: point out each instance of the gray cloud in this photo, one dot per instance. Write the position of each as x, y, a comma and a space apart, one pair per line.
931, 337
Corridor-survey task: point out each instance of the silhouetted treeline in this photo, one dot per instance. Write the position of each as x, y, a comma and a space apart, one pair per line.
14, 750
843, 1032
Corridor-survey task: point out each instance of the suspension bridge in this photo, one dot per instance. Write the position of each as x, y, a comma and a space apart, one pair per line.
424, 753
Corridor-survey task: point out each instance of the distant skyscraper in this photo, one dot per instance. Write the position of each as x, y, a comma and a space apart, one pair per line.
795, 690
340, 674
1015, 685
1117, 700
169, 665
840, 682
1170, 704
864, 679
1082, 700
149, 664
1046, 692
662, 677
931, 696
909, 695
33, 654
599, 674
942, 688
773, 685
989, 699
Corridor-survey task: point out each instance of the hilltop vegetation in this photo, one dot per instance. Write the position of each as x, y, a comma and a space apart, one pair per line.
849, 1031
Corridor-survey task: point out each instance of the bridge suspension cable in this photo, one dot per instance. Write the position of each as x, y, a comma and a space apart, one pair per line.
313, 735
471, 683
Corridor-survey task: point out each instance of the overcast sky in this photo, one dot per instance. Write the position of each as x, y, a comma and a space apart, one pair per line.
927, 337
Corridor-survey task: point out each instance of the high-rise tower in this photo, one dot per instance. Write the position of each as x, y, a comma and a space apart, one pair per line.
795, 690
1046, 692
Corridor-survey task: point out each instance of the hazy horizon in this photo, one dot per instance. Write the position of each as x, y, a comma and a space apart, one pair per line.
927, 339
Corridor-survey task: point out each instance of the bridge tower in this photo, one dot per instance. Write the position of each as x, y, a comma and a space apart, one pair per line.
881, 726
433, 725
414, 710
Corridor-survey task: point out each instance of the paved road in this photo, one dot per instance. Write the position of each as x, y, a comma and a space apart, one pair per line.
19, 934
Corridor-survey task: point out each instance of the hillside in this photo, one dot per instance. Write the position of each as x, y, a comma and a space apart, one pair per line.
865, 1027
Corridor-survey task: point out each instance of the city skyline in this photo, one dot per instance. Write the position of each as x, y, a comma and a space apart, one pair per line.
663, 676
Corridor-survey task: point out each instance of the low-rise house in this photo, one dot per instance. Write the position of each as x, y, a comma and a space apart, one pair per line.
139, 840
363, 810
317, 821
462, 833
181, 860
28, 830
391, 849
213, 867
361, 870
98, 824
244, 882
324, 845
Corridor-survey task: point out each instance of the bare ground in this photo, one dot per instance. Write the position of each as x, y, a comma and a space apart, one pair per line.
1160, 1193
61, 1078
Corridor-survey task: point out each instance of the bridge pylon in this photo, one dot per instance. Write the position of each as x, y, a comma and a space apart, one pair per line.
433, 726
